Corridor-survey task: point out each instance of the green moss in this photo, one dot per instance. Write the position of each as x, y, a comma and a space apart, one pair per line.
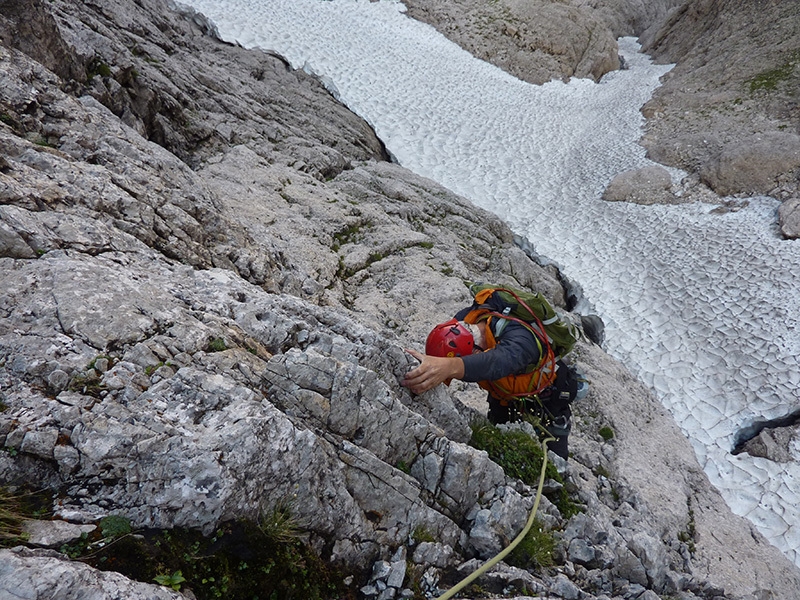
375, 257
535, 550
97, 67
688, 536
114, 526
606, 433
521, 457
238, 562
346, 235
769, 80
216, 345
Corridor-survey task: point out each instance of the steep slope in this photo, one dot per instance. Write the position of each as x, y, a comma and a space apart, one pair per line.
207, 277
728, 110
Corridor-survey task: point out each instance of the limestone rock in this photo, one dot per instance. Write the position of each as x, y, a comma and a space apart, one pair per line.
535, 41
208, 277
725, 109
648, 185
754, 166
47, 574
773, 444
789, 215
53, 534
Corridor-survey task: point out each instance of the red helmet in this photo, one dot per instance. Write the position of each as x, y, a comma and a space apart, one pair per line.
450, 339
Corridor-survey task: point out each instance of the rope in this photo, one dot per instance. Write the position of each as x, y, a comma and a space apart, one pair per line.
503, 553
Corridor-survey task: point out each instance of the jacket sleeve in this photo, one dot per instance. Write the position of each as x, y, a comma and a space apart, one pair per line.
516, 349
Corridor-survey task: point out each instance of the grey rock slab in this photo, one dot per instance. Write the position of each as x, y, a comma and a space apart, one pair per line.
53, 534
266, 217
28, 573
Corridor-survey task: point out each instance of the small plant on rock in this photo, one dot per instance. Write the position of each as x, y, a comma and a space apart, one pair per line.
217, 345
12, 514
606, 433
173, 581
279, 524
422, 534
521, 457
114, 526
535, 550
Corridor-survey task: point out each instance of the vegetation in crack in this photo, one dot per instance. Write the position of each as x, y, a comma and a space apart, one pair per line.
769, 80
18, 505
268, 559
521, 457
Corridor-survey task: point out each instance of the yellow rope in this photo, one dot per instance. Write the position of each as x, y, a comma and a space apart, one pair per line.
492, 562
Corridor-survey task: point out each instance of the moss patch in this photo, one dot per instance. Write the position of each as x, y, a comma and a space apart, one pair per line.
769, 80
216, 345
521, 457
237, 562
535, 550
606, 433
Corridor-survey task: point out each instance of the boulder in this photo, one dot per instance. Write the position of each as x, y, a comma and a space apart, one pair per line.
28, 573
789, 217
648, 185
754, 166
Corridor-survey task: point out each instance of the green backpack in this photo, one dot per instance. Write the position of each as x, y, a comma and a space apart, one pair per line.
532, 307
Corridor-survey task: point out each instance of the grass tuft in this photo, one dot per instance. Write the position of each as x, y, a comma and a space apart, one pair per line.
521, 457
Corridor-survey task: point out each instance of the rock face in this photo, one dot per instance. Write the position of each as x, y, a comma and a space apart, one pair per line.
540, 40
534, 41
728, 109
726, 113
208, 274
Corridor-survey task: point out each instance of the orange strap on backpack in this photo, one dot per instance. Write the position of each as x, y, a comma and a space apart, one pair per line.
538, 377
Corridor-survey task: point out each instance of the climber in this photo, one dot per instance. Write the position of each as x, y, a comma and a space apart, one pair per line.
506, 357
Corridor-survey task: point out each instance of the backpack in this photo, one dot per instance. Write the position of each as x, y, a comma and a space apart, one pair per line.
533, 308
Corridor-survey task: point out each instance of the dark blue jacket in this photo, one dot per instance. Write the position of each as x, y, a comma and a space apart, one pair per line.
516, 348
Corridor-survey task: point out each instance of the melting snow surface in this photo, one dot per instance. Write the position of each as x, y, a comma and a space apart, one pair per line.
702, 307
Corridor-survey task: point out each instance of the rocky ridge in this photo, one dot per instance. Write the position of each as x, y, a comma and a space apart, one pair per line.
209, 273
727, 114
